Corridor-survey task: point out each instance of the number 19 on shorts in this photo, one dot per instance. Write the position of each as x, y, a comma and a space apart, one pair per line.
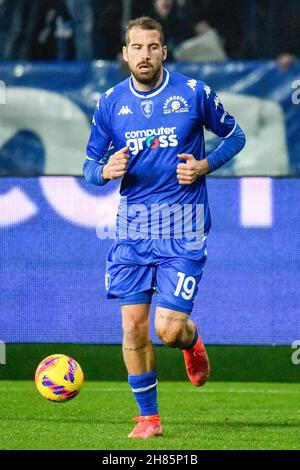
185, 286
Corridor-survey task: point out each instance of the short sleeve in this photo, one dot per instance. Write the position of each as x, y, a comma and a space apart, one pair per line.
213, 115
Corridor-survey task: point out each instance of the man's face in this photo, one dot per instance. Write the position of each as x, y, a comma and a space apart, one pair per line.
144, 54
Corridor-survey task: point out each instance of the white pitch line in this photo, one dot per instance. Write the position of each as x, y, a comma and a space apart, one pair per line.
279, 392
183, 390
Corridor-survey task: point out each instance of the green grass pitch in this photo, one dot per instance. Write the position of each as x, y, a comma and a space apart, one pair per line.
218, 416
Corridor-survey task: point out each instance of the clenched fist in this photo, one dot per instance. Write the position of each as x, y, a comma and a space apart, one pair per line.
188, 172
116, 165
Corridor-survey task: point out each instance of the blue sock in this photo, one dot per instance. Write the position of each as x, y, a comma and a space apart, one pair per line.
144, 389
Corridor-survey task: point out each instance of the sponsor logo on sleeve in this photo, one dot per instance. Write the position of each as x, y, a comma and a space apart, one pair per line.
175, 104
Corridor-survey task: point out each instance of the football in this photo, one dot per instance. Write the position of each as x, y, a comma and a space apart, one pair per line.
59, 378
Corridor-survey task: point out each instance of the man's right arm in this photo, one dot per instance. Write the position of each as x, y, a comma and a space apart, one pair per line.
100, 173
93, 170
97, 148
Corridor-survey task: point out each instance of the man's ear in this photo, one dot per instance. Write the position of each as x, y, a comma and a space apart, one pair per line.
165, 52
125, 53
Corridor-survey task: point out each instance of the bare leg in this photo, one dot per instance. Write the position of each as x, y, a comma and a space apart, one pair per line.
138, 352
174, 328
138, 356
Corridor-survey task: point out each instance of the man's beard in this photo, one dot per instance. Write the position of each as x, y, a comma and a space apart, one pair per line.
150, 78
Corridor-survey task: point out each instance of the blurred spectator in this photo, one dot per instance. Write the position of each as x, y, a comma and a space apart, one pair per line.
251, 29
13, 17
220, 20
6, 12
107, 34
271, 30
31, 29
289, 32
82, 20
38, 31
176, 24
206, 45
194, 29
52, 31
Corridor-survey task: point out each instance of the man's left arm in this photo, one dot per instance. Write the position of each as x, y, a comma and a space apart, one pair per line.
229, 147
221, 123
217, 120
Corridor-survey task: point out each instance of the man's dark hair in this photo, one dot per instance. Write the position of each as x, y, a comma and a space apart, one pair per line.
144, 22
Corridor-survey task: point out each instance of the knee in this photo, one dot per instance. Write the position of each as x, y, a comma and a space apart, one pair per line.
135, 330
170, 336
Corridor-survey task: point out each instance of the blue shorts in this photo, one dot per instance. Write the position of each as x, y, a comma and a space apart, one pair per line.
137, 269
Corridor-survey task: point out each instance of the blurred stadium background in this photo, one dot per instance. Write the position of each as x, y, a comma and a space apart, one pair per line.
56, 58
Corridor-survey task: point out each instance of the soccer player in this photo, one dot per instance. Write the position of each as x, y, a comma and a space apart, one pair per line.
154, 120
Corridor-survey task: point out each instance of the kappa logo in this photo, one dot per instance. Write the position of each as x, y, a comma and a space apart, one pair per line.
207, 90
217, 101
192, 84
147, 107
124, 110
175, 104
109, 91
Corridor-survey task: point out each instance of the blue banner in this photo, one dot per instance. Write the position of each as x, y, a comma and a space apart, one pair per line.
45, 121
52, 262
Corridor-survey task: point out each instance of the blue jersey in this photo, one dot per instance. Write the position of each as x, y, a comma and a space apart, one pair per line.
157, 126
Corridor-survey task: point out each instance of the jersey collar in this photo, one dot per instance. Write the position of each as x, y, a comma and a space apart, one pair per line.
155, 91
